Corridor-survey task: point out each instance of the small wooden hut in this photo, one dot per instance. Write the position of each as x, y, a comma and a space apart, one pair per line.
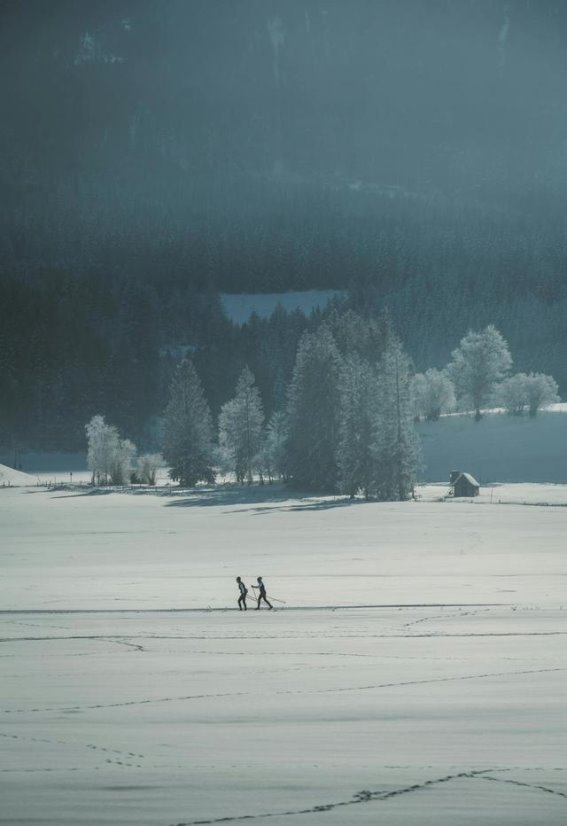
464, 484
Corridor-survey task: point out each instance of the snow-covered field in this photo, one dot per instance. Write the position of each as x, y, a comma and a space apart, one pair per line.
414, 675
499, 448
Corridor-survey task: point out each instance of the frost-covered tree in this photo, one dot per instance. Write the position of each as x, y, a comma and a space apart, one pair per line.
531, 391
358, 407
394, 447
274, 451
355, 335
123, 462
148, 466
479, 362
418, 391
109, 458
241, 428
511, 394
101, 445
541, 390
433, 393
188, 429
313, 409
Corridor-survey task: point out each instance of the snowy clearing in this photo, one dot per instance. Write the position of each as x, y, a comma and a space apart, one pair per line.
133, 692
499, 448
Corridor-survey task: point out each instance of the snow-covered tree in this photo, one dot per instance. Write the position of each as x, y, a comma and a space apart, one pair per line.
433, 393
358, 406
109, 457
418, 391
479, 362
313, 409
541, 390
511, 394
274, 451
148, 466
394, 447
122, 462
355, 335
101, 440
188, 429
241, 428
531, 391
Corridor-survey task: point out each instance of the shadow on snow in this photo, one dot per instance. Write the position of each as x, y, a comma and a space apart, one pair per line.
227, 495
282, 499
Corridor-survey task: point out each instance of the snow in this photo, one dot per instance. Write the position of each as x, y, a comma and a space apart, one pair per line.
524, 493
10, 476
134, 693
240, 307
498, 448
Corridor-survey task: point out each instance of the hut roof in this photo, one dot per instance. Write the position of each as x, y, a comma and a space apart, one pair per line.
470, 479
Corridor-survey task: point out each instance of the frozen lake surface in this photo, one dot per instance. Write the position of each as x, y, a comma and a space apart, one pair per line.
416, 673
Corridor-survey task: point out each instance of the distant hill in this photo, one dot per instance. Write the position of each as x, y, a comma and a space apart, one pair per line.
499, 448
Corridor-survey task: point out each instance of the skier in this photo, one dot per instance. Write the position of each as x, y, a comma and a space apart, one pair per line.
243, 592
262, 594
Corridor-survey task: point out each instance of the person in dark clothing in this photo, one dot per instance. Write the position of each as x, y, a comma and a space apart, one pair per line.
243, 591
262, 594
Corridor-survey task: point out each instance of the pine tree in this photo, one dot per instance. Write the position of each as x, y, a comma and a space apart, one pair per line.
355, 335
313, 410
394, 446
188, 429
241, 428
273, 455
358, 404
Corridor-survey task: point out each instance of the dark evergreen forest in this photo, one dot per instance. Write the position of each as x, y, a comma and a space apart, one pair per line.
154, 153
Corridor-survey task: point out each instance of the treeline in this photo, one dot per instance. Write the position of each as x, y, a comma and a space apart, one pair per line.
346, 420
72, 347
346, 424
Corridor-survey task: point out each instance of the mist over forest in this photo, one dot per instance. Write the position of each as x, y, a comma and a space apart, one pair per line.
154, 153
